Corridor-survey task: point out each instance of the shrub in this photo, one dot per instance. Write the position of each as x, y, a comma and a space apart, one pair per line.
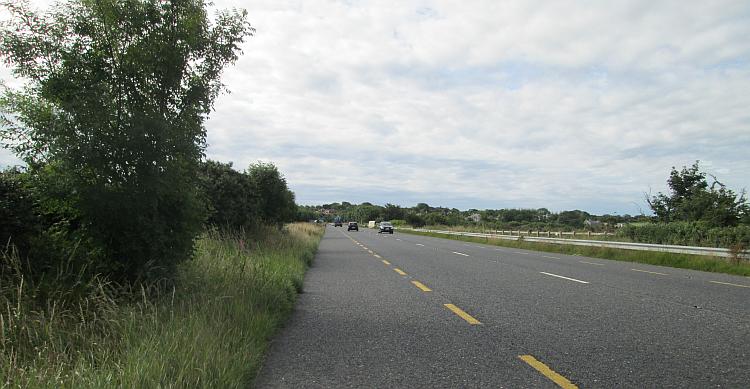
687, 233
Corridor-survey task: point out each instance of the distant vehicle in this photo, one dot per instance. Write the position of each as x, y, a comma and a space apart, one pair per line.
385, 227
353, 226
371, 224
337, 222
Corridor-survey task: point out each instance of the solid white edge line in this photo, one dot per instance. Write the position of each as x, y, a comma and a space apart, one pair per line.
456, 252
567, 278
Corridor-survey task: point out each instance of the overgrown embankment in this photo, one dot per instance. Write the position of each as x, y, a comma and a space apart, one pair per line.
209, 328
685, 261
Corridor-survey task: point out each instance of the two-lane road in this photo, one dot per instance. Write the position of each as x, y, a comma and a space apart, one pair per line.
409, 311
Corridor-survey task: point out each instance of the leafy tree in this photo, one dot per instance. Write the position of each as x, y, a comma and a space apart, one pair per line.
229, 196
415, 220
117, 95
392, 212
692, 199
275, 201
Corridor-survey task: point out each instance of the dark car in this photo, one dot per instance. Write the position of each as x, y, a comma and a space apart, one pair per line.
353, 226
385, 227
337, 222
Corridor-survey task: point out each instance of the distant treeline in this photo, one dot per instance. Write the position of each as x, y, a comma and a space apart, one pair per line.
694, 212
423, 214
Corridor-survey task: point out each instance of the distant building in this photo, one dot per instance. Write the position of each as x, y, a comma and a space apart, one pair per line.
592, 223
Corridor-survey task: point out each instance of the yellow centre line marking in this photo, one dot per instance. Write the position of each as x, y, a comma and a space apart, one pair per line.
370, 251
547, 372
399, 271
592, 263
650, 272
377, 256
421, 286
458, 311
386, 262
727, 283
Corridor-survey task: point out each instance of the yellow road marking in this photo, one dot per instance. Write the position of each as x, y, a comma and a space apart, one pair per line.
458, 311
421, 286
370, 251
650, 272
549, 373
377, 256
727, 283
386, 262
399, 271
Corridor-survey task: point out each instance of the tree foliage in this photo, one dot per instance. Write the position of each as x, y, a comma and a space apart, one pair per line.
692, 199
275, 201
118, 91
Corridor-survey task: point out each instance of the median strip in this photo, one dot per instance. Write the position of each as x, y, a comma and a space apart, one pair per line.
729, 283
460, 313
650, 272
457, 253
563, 277
421, 286
547, 372
399, 271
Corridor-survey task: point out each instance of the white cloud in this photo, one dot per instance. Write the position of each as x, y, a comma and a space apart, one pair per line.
489, 104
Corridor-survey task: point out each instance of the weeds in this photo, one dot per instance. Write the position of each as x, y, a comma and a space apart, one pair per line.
208, 328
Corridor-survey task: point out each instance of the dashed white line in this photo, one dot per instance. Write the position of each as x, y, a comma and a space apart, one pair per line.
592, 263
456, 252
549, 256
563, 277
419, 244
650, 272
728, 283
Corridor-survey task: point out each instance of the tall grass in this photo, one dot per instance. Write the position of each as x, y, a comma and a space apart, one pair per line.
685, 261
208, 328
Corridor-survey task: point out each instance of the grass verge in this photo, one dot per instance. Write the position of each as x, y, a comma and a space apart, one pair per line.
209, 329
684, 261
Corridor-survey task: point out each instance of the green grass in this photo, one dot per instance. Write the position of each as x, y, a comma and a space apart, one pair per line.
685, 261
210, 329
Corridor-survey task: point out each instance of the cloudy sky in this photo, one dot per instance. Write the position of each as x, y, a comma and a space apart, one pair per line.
488, 104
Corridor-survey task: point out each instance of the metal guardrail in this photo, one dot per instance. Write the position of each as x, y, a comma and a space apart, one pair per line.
709, 251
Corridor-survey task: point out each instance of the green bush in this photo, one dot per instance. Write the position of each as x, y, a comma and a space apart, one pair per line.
687, 234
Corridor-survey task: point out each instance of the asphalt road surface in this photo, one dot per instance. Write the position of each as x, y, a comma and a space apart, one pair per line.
405, 311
